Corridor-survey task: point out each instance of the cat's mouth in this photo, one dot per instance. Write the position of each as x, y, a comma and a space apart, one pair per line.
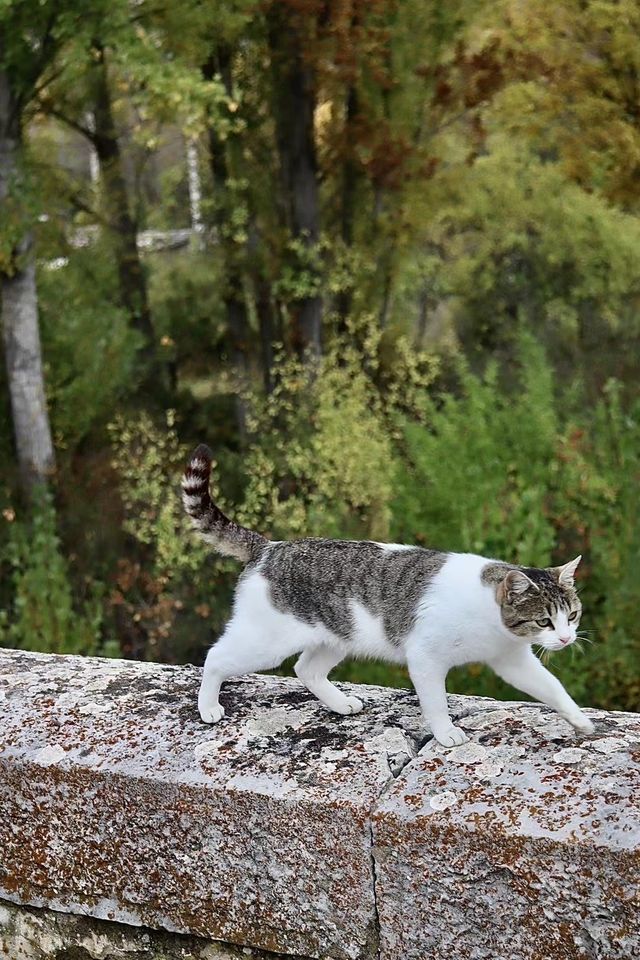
554, 645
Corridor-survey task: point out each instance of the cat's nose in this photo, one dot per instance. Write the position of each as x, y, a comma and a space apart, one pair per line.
564, 640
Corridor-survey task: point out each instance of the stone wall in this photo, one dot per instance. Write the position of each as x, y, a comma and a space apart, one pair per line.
129, 828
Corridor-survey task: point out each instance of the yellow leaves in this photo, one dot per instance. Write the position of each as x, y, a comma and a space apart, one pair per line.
149, 460
577, 66
351, 445
322, 459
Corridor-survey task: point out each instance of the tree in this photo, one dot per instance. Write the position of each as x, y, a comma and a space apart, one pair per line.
231, 238
27, 47
574, 89
121, 221
82, 98
294, 101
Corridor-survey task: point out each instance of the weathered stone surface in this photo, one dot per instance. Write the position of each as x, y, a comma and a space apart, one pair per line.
27, 933
116, 801
524, 843
288, 829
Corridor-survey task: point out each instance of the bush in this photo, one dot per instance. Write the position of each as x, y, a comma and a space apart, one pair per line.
89, 348
169, 585
600, 502
476, 473
40, 614
321, 462
532, 478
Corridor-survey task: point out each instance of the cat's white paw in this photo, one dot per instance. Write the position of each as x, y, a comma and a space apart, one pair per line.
582, 723
348, 706
355, 705
451, 736
211, 713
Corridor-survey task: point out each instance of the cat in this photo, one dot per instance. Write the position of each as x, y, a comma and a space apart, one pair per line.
428, 609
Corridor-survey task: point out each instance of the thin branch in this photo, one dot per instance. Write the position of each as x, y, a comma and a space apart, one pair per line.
37, 90
51, 111
438, 128
76, 200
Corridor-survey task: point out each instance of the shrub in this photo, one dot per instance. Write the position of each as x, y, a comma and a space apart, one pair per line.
534, 478
476, 472
321, 459
169, 585
40, 614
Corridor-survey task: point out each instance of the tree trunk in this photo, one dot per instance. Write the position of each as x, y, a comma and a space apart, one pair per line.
233, 254
294, 103
124, 229
348, 208
20, 331
195, 189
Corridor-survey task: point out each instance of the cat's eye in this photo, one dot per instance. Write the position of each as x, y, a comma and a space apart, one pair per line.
573, 615
544, 623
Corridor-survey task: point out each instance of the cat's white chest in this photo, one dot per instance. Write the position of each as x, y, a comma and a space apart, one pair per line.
460, 613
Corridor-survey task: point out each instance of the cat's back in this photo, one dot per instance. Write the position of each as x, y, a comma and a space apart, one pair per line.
327, 580
345, 560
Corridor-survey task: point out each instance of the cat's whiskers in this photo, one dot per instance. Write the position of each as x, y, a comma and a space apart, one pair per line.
543, 653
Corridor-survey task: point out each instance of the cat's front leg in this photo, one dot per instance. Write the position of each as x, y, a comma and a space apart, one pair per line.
428, 677
522, 669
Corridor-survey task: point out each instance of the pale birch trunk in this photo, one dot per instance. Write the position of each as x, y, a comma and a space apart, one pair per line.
20, 331
195, 188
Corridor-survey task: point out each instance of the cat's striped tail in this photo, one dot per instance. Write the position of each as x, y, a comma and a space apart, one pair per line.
223, 534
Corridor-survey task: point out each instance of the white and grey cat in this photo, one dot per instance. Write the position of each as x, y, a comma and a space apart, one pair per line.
430, 610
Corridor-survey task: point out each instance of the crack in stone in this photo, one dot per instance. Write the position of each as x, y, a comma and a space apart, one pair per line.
376, 947
416, 743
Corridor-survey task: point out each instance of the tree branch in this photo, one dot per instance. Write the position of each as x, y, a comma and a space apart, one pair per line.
47, 107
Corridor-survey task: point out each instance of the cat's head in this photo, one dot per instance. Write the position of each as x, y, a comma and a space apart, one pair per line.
540, 606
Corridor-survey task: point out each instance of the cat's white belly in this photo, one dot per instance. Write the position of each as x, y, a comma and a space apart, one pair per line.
369, 639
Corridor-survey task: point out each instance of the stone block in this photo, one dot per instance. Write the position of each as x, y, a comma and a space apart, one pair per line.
523, 843
27, 933
290, 830
117, 802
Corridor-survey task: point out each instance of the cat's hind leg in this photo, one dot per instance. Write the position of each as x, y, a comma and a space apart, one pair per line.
312, 668
241, 649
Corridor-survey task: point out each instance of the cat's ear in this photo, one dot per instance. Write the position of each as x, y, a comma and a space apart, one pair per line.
566, 573
514, 584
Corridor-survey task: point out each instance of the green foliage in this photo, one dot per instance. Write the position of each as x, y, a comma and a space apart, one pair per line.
41, 614
321, 462
302, 272
17, 214
170, 590
188, 315
525, 475
148, 460
600, 500
527, 246
482, 464
89, 347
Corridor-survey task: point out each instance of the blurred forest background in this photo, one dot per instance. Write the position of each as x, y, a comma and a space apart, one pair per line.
383, 256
